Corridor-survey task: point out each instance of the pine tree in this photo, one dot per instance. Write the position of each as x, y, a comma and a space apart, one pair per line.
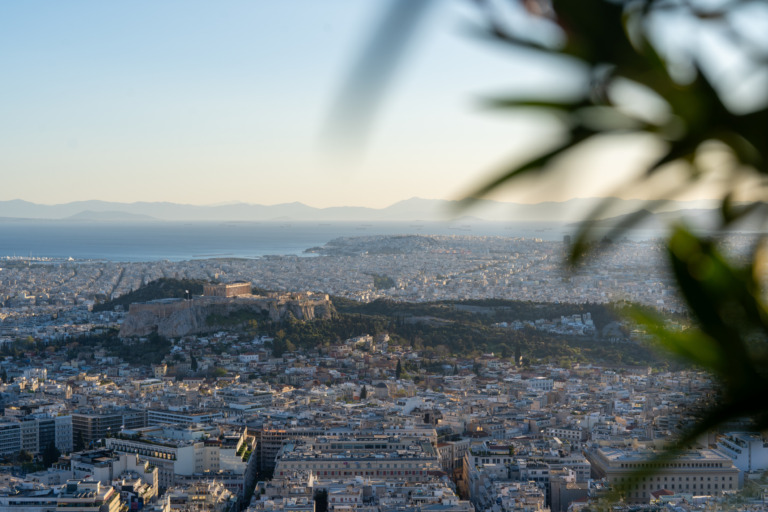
363, 393
398, 370
79, 442
50, 454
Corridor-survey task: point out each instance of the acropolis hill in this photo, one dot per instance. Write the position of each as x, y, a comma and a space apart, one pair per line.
177, 317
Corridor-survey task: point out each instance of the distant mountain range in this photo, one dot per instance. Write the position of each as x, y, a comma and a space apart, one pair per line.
699, 218
410, 210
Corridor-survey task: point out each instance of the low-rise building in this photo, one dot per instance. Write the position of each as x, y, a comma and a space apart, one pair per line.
695, 471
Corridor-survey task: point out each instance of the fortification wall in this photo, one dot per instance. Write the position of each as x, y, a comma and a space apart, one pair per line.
176, 319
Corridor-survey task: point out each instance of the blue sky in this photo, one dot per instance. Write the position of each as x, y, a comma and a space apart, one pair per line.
210, 102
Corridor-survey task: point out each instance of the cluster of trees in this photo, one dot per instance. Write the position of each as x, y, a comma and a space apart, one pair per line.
486, 311
20, 346
163, 288
293, 333
29, 463
462, 333
236, 318
382, 282
151, 351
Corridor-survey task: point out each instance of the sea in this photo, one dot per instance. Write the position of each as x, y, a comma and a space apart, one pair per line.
180, 241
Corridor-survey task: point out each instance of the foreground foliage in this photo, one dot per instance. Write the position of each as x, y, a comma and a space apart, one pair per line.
695, 101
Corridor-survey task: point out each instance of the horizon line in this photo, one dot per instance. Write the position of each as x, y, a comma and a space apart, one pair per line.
243, 203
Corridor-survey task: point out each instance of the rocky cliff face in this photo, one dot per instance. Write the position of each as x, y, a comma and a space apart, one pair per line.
174, 319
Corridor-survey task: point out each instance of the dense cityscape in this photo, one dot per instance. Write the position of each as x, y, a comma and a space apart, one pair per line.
384, 256
211, 400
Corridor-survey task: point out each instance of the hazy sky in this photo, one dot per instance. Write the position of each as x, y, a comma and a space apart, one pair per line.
209, 102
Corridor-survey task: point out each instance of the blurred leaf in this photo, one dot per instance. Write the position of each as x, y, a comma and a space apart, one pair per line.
691, 345
748, 138
605, 119
725, 299
368, 82
584, 240
732, 213
577, 136
585, 235
681, 150
511, 103
610, 40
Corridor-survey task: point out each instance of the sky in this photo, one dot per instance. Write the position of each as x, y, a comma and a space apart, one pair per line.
205, 102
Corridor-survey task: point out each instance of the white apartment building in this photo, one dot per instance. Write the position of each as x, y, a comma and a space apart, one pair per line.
748, 451
540, 384
567, 434
170, 457
75, 496
105, 466
176, 452
185, 417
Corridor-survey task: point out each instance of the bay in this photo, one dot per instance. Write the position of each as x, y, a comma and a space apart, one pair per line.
179, 241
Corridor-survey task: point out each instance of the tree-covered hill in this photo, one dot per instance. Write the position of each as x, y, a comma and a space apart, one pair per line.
485, 311
465, 328
437, 329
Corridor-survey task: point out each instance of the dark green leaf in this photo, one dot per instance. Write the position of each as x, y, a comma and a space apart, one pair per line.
578, 135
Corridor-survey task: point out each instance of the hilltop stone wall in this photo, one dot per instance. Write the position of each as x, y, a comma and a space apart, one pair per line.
174, 319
